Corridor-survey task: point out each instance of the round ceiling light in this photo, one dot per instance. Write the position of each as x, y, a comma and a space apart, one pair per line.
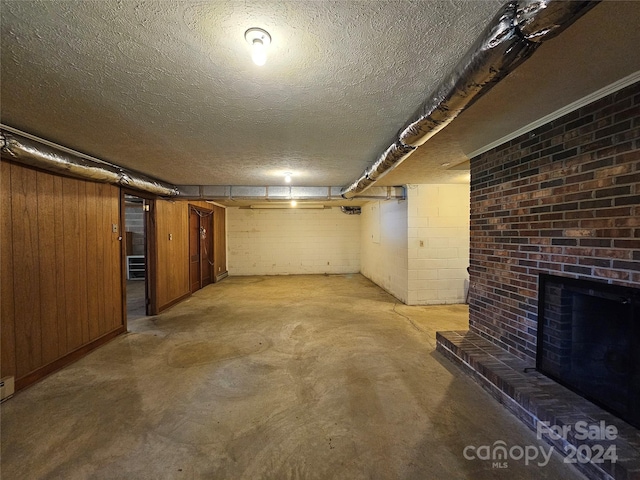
259, 40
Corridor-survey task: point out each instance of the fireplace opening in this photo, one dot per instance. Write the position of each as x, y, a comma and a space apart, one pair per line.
589, 341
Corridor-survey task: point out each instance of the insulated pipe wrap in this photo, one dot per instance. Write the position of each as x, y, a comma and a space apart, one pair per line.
359, 185
36, 154
540, 20
138, 181
510, 38
393, 155
396, 153
498, 50
351, 210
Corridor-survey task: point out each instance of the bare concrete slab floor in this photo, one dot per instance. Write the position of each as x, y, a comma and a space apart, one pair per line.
136, 301
298, 377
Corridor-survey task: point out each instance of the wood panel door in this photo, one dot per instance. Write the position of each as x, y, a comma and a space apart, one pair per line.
194, 249
206, 249
200, 248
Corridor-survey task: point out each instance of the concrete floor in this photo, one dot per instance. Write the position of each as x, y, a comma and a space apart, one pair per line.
297, 377
136, 299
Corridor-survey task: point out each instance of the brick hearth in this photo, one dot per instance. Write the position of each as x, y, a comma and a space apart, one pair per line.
563, 199
532, 397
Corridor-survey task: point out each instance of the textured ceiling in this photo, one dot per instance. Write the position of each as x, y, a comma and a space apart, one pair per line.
168, 87
596, 51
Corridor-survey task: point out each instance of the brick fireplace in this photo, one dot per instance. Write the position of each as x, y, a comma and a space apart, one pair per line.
562, 200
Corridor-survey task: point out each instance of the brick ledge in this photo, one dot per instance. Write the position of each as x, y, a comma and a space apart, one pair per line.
532, 397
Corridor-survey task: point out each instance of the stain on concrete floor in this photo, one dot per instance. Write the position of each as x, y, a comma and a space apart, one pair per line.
300, 377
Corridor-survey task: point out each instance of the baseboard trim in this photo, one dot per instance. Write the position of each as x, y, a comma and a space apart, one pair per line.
174, 302
73, 356
222, 276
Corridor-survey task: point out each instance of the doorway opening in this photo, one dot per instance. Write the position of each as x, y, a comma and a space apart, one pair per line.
136, 272
200, 247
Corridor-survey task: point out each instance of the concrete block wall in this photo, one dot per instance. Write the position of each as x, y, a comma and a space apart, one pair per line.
384, 253
438, 243
292, 241
383, 243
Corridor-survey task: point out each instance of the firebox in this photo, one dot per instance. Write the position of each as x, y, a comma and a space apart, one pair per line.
589, 341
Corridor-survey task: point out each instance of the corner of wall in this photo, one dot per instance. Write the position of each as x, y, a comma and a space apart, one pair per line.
383, 246
438, 243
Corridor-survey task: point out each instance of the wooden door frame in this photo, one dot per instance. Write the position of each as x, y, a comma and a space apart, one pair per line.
193, 211
210, 257
200, 209
150, 249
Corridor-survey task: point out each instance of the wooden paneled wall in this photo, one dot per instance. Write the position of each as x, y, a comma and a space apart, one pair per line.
61, 265
172, 273
172, 226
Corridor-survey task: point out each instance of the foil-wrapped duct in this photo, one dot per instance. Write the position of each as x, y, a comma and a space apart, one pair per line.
138, 181
356, 187
351, 210
510, 38
39, 155
36, 154
497, 51
392, 156
539, 20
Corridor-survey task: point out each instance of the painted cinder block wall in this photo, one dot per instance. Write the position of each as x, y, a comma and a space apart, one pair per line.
418, 249
292, 241
384, 246
438, 237
562, 199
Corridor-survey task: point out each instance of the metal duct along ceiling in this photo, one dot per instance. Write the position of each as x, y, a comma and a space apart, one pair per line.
511, 37
231, 193
40, 154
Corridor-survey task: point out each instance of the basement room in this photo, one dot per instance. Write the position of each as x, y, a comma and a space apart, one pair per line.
320, 239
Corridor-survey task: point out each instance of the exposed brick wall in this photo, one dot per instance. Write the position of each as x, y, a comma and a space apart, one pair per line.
563, 199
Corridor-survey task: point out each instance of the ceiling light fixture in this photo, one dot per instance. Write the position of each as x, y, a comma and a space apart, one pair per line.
293, 203
259, 40
287, 177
